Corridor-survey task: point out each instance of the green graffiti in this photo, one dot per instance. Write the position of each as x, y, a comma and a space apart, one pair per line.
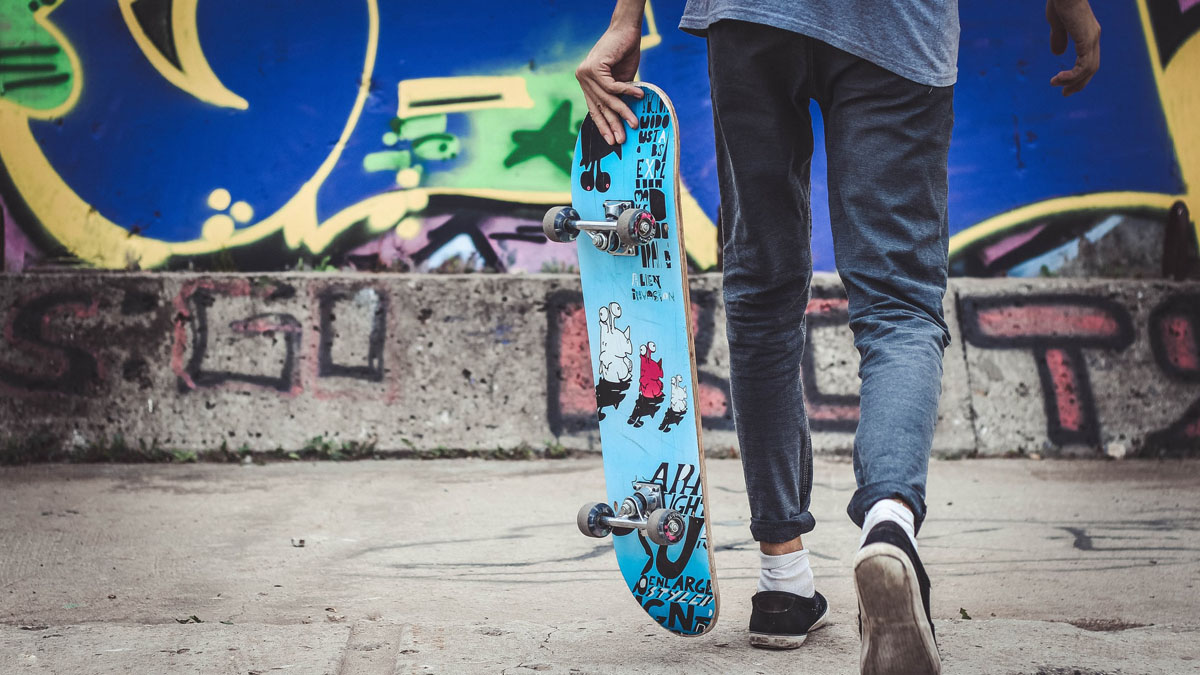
555, 141
500, 151
387, 160
416, 127
426, 140
435, 147
35, 72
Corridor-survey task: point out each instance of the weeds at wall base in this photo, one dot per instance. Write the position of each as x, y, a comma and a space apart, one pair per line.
46, 447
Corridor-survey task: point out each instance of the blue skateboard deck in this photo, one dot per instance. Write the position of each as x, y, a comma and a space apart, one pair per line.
643, 363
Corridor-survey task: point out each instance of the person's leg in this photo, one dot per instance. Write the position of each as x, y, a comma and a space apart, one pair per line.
887, 140
760, 93
760, 96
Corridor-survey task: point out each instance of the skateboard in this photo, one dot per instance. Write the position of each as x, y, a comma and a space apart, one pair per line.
624, 221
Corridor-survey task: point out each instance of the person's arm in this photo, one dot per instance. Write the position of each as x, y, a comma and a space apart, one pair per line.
1074, 19
608, 69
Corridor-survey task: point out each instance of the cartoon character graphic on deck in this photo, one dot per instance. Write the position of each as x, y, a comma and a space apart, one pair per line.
595, 148
616, 368
650, 386
678, 407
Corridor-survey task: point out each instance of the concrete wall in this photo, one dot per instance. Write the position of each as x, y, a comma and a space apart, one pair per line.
481, 362
412, 136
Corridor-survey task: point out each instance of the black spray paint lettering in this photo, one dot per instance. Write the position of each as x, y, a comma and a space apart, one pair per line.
77, 369
328, 300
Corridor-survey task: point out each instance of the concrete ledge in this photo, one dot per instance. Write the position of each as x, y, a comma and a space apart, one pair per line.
478, 362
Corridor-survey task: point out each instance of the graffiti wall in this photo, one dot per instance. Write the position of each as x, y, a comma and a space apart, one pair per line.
384, 134
435, 363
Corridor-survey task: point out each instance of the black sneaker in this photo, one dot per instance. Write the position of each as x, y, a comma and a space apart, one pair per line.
782, 620
893, 606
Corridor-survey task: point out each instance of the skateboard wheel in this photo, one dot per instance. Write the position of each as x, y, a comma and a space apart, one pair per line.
589, 519
635, 227
665, 527
556, 224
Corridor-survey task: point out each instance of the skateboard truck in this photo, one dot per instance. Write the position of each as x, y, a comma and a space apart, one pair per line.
642, 510
624, 229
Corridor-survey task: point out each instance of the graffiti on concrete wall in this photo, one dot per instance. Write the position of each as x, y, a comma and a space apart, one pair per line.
378, 134
1175, 342
1058, 331
213, 347
1101, 367
54, 363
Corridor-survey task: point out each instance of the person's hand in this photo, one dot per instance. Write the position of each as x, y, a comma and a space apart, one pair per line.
605, 75
1074, 19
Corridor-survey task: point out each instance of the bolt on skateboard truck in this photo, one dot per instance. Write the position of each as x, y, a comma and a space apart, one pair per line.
624, 229
642, 510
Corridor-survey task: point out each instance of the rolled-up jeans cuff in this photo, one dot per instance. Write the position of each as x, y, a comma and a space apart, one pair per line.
779, 531
866, 496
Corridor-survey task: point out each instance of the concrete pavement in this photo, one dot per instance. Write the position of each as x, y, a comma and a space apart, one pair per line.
465, 566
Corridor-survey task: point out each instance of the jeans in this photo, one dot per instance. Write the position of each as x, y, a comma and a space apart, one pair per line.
887, 140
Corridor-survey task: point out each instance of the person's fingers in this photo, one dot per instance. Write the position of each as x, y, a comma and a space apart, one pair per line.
1087, 63
623, 89
616, 133
1077, 86
1071, 81
1058, 32
598, 119
615, 90
1068, 78
619, 107
614, 110
594, 104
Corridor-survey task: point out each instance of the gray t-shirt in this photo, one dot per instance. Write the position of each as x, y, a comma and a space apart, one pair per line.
916, 39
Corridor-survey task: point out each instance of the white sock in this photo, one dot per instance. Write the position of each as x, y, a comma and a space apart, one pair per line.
789, 572
889, 509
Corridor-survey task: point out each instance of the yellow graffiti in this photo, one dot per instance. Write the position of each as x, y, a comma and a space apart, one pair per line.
193, 74
99, 241
442, 95
1050, 207
86, 233
1180, 96
652, 38
699, 231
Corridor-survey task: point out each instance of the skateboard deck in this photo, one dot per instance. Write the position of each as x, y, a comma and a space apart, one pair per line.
643, 364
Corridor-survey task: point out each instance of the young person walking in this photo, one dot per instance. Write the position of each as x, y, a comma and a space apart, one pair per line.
883, 74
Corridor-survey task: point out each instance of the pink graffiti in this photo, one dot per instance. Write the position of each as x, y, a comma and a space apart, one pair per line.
577, 391
1046, 320
184, 314
1071, 415
1179, 341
